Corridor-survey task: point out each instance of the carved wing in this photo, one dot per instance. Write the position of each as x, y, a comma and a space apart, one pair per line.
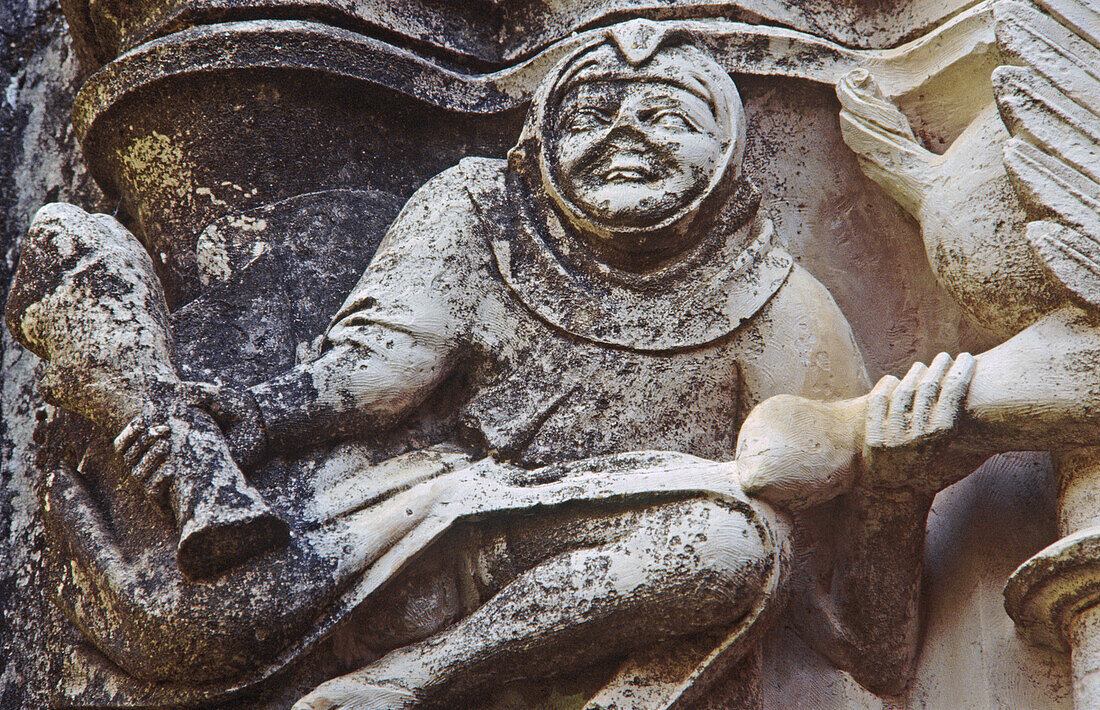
1049, 98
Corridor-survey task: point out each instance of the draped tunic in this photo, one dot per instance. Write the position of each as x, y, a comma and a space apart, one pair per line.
562, 358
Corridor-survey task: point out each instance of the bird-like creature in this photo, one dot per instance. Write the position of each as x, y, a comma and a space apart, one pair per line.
1010, 219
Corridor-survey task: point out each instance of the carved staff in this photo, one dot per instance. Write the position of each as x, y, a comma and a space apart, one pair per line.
87, 301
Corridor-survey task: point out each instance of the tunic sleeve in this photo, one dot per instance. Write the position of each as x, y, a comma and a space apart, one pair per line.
398, 334
420, 280
802, 344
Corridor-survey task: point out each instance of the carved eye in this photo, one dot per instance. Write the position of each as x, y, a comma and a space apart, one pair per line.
587, 119
671, 120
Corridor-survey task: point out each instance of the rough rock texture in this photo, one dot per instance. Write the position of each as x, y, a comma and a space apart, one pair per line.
39, 162
835, 222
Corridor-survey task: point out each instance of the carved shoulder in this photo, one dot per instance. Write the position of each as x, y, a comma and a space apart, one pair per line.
426, 262
446, 207
802, 344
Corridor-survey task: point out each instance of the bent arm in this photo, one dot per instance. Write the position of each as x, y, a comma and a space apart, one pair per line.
359, 386
864, 613
396, 337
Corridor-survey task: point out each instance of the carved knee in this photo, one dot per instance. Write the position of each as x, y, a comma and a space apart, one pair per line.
723, 556
734, 554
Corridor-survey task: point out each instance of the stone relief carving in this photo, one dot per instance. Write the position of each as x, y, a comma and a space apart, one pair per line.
1035, 282
581, 415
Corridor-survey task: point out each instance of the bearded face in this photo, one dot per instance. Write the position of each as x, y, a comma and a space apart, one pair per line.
633, 153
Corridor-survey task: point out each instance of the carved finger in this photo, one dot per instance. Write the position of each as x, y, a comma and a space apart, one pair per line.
135, 451
129, 433
928, 392
953, 392
142, 441
152, 459
901, 404
878, 404
145, 441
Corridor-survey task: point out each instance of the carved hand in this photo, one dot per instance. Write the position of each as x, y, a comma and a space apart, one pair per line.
144, 445
144, 442
236, 412
796, 452
910, 423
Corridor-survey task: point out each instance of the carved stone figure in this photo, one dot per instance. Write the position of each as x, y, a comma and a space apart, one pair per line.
513, 455
1009, 224
582, 434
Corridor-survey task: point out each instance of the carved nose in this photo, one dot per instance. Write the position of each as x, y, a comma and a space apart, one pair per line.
626, 124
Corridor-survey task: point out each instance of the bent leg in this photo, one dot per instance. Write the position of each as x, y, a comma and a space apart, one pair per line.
87, 300
147, 618
119, 584
674, 570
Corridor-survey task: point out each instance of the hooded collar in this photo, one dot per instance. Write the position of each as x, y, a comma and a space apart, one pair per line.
697, 295
639, 50
692, 301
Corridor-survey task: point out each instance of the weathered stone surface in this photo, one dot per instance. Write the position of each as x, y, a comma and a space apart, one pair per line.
492, 33
262, 150
39, 161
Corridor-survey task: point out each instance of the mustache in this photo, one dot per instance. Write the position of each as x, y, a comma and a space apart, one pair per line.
598, 158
